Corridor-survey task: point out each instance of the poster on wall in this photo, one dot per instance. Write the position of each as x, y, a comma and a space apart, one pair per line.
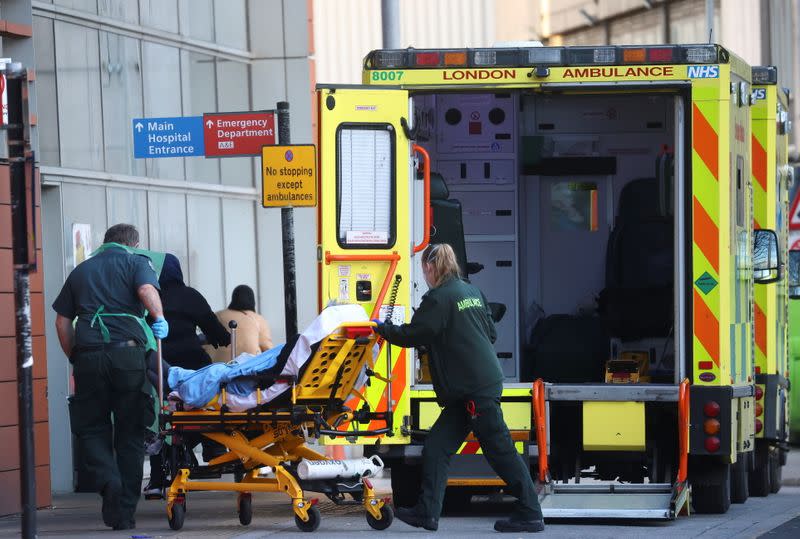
81, 242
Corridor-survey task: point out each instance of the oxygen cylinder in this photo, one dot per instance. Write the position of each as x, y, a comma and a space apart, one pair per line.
339, 469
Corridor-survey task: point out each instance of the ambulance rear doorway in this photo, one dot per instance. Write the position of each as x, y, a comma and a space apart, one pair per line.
566, 204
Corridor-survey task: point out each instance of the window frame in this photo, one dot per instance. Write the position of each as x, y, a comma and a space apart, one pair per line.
377, 126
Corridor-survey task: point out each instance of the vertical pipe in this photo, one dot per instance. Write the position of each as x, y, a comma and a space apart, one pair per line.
287, 236
390, 23
710, 21
22, 219
679, 216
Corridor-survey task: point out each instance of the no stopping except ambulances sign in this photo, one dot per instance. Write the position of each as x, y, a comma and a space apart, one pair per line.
289, 175
237, 133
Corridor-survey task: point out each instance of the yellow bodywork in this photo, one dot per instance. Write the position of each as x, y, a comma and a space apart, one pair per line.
613, 426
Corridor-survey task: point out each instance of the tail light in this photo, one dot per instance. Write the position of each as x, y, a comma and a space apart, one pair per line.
712, 444
759, 393
711, 409
455, 58
759, 409
759, 425
711, 426
633, 56
427, 58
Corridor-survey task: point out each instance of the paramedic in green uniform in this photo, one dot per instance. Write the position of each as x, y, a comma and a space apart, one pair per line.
108, 294
455, 324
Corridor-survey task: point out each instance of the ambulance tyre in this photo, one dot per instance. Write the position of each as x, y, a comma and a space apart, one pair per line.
739, 477
775, 472
760, 484
314, 518
711, 487
387, 516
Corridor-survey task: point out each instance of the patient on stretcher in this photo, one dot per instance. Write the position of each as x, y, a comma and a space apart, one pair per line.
196, 389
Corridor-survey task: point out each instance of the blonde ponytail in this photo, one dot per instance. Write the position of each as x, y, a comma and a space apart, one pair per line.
443, 260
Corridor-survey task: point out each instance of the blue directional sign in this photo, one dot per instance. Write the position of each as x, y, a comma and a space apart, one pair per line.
168, 137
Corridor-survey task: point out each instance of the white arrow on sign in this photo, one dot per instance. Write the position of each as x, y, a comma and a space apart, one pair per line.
139, 127
209, 124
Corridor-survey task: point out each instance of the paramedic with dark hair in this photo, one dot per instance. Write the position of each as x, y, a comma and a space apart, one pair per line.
455, 323
108, 296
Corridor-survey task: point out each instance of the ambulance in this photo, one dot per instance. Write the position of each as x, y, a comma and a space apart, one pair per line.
603, 199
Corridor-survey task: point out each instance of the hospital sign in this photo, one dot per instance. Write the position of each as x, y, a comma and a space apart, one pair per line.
289, 175
230, 134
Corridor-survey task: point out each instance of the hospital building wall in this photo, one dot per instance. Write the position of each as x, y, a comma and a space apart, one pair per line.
99, 64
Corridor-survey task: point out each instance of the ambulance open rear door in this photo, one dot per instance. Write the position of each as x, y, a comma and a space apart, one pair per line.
364, 234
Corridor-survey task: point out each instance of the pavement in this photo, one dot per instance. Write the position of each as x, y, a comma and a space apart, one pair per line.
213, 514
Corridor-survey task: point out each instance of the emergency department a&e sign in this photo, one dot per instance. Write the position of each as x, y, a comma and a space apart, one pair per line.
289, 175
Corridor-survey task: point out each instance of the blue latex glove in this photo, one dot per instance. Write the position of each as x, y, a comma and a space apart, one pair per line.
377, 321
160, 328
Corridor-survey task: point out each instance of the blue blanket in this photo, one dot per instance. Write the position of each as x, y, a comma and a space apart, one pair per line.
198, 388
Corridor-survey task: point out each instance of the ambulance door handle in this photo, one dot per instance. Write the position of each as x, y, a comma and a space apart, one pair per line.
410, 133
426, 209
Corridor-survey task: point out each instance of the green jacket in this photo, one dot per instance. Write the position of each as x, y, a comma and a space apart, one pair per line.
455, 323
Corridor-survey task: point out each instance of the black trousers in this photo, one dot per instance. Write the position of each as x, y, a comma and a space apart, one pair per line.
108, 415
447, 435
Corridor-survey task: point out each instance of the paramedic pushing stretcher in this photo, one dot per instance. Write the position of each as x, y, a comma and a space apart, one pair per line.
108, 293
454, 322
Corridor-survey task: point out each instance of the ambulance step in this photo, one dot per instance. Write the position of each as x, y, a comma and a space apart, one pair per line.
656, 501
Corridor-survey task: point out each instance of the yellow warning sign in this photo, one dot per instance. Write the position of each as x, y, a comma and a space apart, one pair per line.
289, 175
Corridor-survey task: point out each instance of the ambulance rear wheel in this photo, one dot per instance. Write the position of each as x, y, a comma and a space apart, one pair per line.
387, 516
739, 479
245, 508
310, 525
711, 487
775, 472
760, 484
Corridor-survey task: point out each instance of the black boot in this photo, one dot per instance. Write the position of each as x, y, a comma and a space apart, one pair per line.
517, 524
111, 511
413, 517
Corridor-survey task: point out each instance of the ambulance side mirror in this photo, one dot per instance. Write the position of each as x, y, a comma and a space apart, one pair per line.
767, 265
794, 274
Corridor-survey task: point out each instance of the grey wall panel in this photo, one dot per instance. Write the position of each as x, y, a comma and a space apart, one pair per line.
298, 88
270, 270
239, 244
129, 206
160, 14
121, 86
205, 249
230, 20
265, 44
167, 215
89, 6
162, 98
295, 16
268, 80
79, 112
47, 100
199, 95
83, 204
197, 19
121, 10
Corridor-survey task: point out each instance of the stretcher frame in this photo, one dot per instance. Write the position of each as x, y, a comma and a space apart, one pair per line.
276, 437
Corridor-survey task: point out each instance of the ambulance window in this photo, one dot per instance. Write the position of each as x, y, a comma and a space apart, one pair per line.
365, 186
573, 206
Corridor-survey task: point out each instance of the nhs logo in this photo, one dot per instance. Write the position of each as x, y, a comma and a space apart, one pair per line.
703, 72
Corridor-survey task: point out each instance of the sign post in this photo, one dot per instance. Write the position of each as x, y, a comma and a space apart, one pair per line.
287, 236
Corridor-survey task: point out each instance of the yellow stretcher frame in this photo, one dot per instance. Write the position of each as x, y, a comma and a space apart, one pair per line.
276, 437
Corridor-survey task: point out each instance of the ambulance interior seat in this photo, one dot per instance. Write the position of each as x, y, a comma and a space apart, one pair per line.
448, 227
637, 301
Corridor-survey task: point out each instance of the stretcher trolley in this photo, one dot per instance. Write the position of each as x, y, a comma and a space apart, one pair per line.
274, 434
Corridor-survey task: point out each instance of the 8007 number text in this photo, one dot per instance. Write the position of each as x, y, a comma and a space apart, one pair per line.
387, 75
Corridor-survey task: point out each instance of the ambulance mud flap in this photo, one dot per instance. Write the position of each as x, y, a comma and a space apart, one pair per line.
646, 501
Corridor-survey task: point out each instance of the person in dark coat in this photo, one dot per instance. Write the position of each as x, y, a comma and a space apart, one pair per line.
455, 323
185, 310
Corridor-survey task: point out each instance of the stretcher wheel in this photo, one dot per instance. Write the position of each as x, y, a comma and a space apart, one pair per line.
314, 518
245, 509
178, 516
387, 516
